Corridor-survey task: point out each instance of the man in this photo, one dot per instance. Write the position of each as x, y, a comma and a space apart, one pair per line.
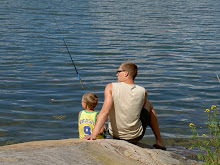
128, 109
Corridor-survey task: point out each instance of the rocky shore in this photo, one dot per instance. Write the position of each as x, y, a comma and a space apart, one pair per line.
97, 152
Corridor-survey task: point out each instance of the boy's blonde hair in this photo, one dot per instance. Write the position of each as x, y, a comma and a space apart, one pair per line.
131, 68
90, 99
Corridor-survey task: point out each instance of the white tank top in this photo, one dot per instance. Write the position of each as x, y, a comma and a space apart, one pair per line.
128, 100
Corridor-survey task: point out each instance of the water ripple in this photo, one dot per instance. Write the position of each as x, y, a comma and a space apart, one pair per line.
175, 45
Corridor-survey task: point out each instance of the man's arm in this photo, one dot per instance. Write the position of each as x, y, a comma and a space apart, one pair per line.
145, 100
147, 104
103, 114
103, 127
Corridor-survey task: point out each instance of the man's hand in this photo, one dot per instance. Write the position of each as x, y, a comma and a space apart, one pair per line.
89, 137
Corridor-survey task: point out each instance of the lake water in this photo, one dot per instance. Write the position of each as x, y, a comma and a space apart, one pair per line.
176, 45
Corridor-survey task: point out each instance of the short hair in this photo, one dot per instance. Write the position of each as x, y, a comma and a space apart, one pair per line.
90, 99
131, 68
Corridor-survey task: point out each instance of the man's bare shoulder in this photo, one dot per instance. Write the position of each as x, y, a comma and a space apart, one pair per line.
108, 89
108, 86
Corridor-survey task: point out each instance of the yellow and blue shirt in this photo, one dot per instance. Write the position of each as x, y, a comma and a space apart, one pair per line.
86, 123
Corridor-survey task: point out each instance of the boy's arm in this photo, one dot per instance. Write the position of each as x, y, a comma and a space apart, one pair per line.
79, 116
103, 115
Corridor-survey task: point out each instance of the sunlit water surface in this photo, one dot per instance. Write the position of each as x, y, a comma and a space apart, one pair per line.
175, 44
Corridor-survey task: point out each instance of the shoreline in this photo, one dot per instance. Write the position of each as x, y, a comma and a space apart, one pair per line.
76, 151
176, 145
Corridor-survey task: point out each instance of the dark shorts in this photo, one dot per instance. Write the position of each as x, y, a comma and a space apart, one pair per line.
145, 120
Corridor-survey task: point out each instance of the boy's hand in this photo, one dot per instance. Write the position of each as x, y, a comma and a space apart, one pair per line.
89, 137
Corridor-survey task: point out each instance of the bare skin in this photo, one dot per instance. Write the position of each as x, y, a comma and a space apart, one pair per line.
154, 123
108, 102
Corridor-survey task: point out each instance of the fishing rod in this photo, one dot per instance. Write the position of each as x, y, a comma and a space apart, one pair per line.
67, 50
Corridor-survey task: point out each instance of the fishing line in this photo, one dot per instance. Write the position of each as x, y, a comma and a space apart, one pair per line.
67, 49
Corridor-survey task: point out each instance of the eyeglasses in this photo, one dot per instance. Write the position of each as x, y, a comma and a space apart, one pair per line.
119, 71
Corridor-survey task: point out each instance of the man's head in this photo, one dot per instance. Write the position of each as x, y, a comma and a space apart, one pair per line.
130, 68
90, 99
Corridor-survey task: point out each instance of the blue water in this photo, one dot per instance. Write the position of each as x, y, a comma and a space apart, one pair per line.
175, 44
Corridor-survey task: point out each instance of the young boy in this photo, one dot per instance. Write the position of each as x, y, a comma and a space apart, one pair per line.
87, 117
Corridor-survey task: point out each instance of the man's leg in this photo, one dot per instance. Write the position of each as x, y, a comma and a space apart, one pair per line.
154, 124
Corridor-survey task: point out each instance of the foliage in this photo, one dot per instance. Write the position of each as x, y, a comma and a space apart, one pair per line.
209, 145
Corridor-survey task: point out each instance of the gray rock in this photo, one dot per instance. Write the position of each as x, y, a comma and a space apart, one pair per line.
97, 152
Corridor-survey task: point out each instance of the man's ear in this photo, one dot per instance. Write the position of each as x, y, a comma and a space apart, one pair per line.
126, 74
